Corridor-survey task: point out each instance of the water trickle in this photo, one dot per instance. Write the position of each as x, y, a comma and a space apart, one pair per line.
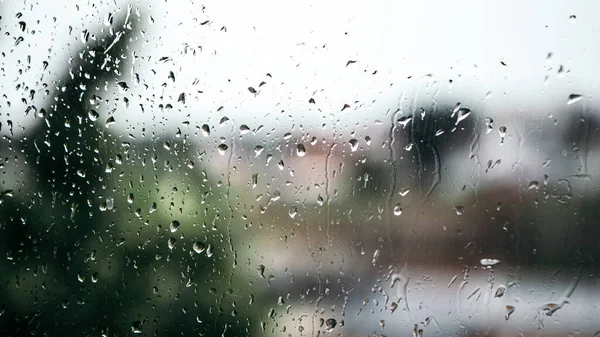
375, 256
403, 121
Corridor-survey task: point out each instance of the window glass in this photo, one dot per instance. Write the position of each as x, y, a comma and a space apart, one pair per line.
299, 168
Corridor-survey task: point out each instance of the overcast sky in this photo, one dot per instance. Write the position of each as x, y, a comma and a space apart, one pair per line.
496, 54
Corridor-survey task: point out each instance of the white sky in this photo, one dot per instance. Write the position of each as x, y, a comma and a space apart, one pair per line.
464, 41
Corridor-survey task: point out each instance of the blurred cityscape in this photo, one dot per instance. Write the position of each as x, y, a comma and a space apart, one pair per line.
435, 213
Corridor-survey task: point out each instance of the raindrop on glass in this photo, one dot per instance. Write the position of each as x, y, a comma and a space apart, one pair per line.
199, 247
300, 150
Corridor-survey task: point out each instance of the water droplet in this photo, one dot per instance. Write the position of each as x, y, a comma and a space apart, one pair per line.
574, 98
502, 131
244, 129
452, 280
533, 185
561, 71
280, 164
300, 150
209, 250
572, 19
254, 180
19, 40
205, 130
500, 291
459, 210
353, 144
123, 86
509, 310
223, 120
258, 150
199, 247
330, 324
320, 200
93, 115
171, 243
261, 271
94, 277
397, 210
110, 203
293, 211
462, 114
136, 327
489, 123
174, 226
375, 256
110, 121
222, 148
489, 262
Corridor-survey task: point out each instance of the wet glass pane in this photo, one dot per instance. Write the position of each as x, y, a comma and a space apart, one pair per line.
307, 168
